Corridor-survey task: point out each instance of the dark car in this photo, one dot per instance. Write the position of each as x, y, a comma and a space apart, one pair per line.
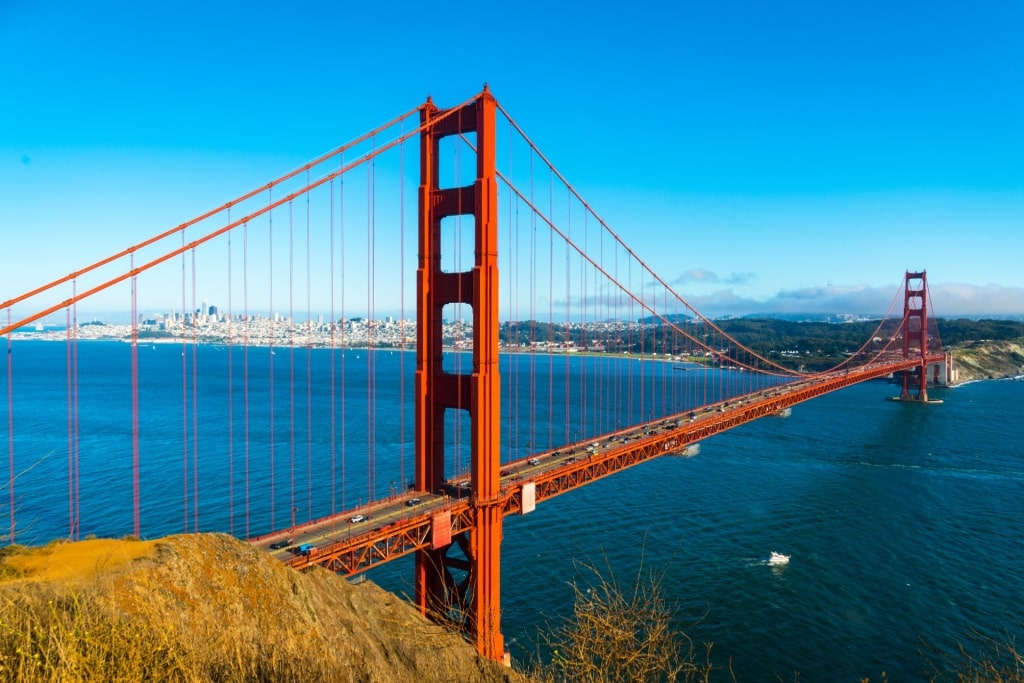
277, 545
412, 501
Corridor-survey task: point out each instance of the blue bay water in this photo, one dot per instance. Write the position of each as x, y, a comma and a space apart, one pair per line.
902, 521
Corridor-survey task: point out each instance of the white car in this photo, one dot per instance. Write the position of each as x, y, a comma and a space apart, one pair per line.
533, 461
357, 518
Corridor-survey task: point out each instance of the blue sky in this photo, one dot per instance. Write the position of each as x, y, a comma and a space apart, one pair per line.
760, 156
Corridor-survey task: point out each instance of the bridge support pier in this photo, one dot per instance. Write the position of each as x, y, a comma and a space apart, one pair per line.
915, 333
476, 599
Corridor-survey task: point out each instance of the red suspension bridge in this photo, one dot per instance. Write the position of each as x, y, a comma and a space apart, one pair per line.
291, 411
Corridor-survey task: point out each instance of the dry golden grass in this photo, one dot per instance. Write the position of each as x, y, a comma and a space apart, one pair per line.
983, 660
206, 607
621, 632
210, 608
63, 561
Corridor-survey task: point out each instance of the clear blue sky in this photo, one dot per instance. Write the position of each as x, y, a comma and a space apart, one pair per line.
763, 156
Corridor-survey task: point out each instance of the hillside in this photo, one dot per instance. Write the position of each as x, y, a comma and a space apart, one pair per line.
208, 607
989, 359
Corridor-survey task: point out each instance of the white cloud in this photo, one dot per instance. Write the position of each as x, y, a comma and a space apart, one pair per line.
947, 300
702, 276
953, 298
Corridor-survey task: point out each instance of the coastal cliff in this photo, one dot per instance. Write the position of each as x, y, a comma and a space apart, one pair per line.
208, 607
987, 359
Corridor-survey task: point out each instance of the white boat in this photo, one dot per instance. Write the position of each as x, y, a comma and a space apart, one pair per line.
778, 559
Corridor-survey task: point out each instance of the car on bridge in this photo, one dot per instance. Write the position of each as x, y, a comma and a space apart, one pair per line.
412, 501
283, 543
355, 519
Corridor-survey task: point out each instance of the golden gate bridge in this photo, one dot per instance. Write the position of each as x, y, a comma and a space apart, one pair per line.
444, 231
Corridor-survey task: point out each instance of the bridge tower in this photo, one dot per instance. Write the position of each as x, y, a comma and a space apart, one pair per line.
475, 600
915, 332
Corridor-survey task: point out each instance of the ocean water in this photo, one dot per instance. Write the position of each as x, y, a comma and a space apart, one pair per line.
903, 522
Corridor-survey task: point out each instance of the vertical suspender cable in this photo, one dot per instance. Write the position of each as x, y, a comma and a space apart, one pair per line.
231, 395
332, 358
597, 304
662, 351
245, 367
520, 370
716, 365
401, 313
184, 394
566, 385
630, 405
78, 423
270, 359
533, 312
371, 398
511, 285
135, 401
605, 368
69, 377
10, 432
309, 366
589, 312
645, 409
291, 364
341, 243
615, 402
195, 401
551, 319
515, 313
595, 399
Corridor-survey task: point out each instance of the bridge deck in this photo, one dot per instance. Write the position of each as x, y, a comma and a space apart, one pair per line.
356, 540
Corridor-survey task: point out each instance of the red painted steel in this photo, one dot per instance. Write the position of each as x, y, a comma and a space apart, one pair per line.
477, 599
578, 467
470, 545
915, 333
456, 539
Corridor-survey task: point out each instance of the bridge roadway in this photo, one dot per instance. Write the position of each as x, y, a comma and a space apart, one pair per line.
356, 540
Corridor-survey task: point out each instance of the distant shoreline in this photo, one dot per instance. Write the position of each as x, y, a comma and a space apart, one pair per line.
975, 360
168, 341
